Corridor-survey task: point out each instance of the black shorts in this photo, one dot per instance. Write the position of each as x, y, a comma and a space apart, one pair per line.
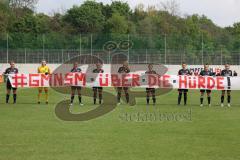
9, 86
203, 91
183, 90
97, 88
75, 88
122, 88
150, 90
227, 91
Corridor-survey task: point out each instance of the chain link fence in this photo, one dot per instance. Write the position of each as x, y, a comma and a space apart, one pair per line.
133, 56
57, 48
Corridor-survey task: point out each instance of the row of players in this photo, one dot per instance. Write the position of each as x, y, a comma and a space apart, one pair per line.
226, 72
150, 92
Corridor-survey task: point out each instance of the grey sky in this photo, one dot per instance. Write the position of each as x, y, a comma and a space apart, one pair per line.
222, 12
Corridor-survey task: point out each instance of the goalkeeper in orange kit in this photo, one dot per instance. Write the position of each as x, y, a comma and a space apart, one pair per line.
43, 69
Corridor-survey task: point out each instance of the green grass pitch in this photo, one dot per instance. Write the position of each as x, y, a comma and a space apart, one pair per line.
33, 132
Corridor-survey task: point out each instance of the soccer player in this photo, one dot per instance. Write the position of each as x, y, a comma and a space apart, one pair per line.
97, 90
11, 70
226, 73
123, 70
43, 69
151, 91
76, 69
206, 72
183, 71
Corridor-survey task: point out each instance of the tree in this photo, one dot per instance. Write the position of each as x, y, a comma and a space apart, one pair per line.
87, 18
26, 27
236, 35
236, 28
121, 7
22, 4
26, 24
43, 23
146, 26
117, 24
147, 29
171, 6
4, 17
139, 13
3, 22
4, 2
152, 11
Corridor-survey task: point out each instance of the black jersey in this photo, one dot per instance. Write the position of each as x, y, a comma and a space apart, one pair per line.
226, 73
123, 70
206, 73
184, 72
151, 72
11, 71
74, 70
98, 71
235, 74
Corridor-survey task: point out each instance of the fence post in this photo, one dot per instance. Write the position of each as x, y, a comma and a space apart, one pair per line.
62, 56
25, 55
128, 48
80, 45
109, 56
221, 57
91, 49
43, 46
48, 56
202, 50
146, 56
7, 48
165, 48
181, 59
238, 58
184, 56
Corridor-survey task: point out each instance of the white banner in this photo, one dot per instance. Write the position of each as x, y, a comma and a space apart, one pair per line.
124, 80
172, 69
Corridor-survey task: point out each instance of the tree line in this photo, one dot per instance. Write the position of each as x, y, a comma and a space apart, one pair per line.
147, 28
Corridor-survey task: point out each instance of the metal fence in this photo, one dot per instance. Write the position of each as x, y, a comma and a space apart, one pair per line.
164, 49
133, 56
